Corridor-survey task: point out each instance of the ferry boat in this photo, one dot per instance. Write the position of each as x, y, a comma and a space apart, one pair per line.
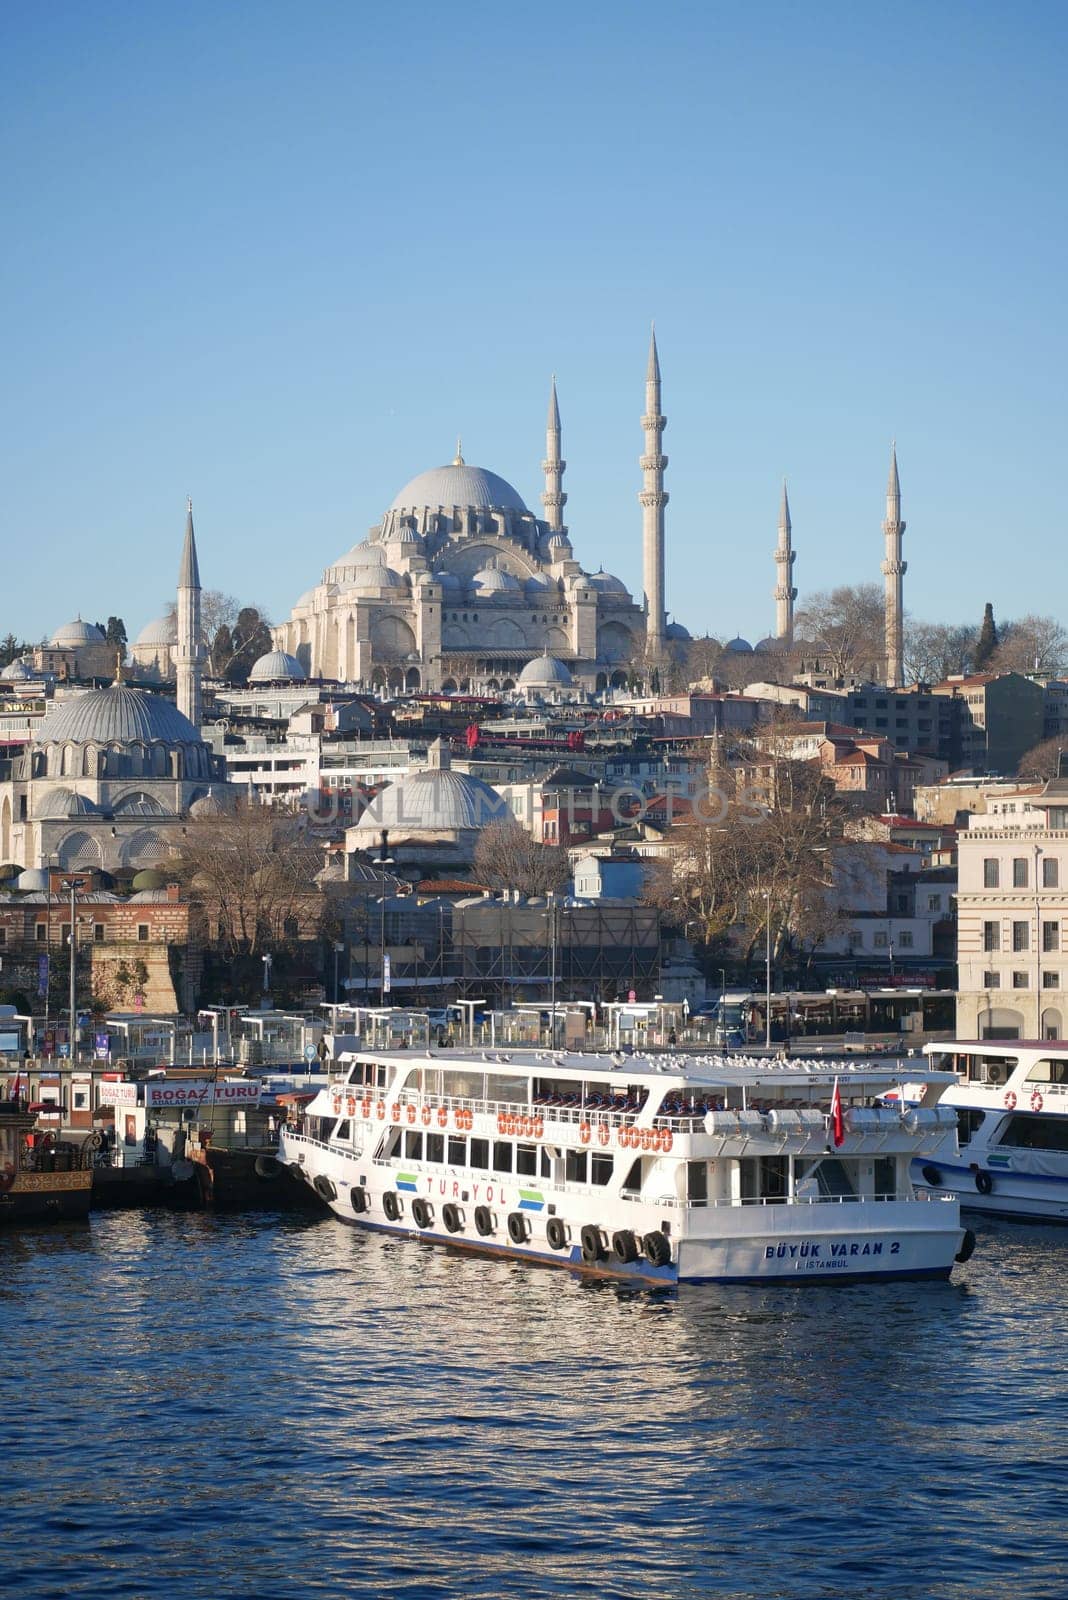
1011, 1103
667, 1170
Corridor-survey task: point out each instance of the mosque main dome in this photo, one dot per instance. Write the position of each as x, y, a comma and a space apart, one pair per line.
116, 715
458, 484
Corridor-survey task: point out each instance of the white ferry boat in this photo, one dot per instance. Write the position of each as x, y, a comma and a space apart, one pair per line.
667, 1170
1011, 1102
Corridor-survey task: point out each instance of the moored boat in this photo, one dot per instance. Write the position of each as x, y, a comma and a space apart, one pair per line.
40, 1180
667, 1170
1010, 1098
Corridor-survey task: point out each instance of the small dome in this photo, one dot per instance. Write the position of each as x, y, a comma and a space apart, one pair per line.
545, 672
438, 799
210, 805
739, 646
675, 630
64, 803
539, 583
77, 632
163, 631
557, 541
405, 534
17, 671
116, 715
33, 881
448, 580
276, 667
457, 485
771, 644
605, 583
147, 879
493, 579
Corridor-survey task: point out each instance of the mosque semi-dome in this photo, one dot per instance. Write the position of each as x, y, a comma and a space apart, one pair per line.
276, 667
438, 800
116, 715
494, 579
17, 672
458, 484
65, 803
76, 633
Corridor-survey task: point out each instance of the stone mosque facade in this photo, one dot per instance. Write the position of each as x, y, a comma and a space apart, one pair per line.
461, 586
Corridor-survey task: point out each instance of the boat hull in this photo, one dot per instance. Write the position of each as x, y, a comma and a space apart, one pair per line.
1013, 1196
46, 1197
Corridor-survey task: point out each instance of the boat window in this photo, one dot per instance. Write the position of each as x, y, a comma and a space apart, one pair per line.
502, 1156
967, 1123
479, 1154
462, 1084
991, 1069
365, 1072
1027, 1132
632, 1183
576, 1167
343, 1130
526, 1160
435, 1147
391, 1145
457, 1152
697, 1182
512, 1089
830, 1176
601, 1168
413, 1144
1049, 1071
546, 1163
885, 1171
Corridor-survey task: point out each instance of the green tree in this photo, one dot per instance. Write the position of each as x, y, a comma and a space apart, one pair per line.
115, 633
987, 643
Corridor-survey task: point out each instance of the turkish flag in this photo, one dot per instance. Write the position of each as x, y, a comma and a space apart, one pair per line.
837, 1126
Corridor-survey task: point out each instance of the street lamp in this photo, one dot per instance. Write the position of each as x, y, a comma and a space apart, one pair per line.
73, 885
267, 963
767, 970
338, 947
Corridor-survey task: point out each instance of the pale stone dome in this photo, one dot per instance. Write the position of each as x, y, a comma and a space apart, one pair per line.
458, 485
76, 633
17, 672
116, 715
494, 579
545, 672
163, 631
275, 667
606, 583
210, 805
439, 800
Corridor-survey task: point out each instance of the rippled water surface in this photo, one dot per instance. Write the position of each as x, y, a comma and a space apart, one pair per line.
199, 1406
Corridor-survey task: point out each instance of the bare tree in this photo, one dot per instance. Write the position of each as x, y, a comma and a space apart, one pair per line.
1031, 644
235, 635
935, 651
1043, 760
847, 626
252, 875
508, 857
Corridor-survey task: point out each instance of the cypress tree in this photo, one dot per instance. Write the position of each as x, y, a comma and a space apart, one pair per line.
987, 643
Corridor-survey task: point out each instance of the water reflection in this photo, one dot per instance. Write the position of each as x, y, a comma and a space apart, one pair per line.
283, 1406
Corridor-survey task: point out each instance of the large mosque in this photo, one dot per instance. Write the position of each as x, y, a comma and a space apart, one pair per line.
461, 586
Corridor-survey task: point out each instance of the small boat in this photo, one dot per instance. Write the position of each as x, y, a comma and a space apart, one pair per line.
41, 1180
667, 1170
1010, 1098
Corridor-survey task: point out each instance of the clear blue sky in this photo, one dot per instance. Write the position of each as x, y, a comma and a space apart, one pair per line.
277, 256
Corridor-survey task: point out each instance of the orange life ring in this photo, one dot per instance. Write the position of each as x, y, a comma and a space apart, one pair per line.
365, 1108
336, 1100
584, 1132
458, 1116
443, 1117
1036, 1100
538, 1127
509, 1122
526, 1127
410, 1112
667, 1139
427, 1115
1010, 1099
395, 1111
381, 1110
469, 1118
649, 1139
502, 1123
604, 1133
624, 1137
350, 1105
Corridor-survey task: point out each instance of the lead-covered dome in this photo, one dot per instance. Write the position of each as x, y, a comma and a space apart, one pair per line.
77, 632
545, 672
492, 580
17, 672
163, 631
438, 800
116, 715
276, 667
443, 488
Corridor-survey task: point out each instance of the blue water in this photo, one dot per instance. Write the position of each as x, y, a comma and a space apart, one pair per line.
199, 1406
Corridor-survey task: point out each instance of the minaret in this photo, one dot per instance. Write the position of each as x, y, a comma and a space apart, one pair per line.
189, 655
554, 499
894, 570
785, 593
653, 500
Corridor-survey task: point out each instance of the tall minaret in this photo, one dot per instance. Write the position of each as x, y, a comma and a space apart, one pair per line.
894, 570
785, 593
653, 500
189, 655
554, 499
